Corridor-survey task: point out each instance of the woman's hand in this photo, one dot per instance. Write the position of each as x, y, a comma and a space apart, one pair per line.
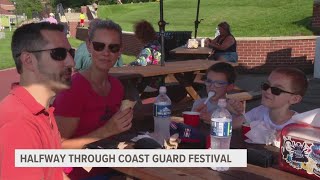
207, 42
120, 121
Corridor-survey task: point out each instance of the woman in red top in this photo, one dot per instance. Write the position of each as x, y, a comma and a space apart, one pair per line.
89, 111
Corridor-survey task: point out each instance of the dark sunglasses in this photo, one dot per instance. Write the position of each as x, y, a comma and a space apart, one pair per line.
58, 54
99, 46
274, 90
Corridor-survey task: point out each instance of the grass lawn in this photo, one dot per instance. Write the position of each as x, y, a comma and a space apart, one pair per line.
259, 18
6, 60
248, 18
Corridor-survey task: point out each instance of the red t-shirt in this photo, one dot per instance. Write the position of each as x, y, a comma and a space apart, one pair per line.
83, 102
92, 109
25, 124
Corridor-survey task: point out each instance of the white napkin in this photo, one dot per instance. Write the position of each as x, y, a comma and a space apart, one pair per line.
146, 135
310, 117
260, 133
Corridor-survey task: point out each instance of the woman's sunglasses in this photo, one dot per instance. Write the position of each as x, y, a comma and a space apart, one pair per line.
274, 90
58, 54
99, 46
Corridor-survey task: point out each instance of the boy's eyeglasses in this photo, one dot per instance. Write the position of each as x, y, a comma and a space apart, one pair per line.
57, 54
274, 90
218, 83
99, 46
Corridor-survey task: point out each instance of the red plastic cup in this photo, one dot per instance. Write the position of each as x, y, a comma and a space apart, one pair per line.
208, 142
245, 128
191, 118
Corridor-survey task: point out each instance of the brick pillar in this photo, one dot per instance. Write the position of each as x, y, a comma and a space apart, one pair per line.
316, 14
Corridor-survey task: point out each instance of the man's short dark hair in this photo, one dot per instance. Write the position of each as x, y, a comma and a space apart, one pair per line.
299, 81
29, 38
225, 68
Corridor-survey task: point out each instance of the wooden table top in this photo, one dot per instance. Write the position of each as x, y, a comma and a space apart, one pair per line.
157, 70
249, 172
184, 50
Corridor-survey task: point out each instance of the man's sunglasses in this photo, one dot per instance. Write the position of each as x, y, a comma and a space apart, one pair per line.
274, 90
99, 46
58, 54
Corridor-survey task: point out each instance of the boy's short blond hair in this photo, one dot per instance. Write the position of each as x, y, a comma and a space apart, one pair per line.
299, 81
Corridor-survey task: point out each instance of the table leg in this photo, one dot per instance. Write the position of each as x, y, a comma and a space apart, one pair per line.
186, 79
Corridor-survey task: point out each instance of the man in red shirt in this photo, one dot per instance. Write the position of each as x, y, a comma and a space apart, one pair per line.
43, 58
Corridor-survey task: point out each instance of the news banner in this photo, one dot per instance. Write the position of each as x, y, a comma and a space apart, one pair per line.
131, 158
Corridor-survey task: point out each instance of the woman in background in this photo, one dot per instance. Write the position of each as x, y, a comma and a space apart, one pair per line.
224, 46
150, 54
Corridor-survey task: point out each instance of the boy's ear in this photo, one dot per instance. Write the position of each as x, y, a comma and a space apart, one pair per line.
295, 99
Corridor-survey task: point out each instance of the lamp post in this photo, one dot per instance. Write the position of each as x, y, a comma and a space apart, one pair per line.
15, 12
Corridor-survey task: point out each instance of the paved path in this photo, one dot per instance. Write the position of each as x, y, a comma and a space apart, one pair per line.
7, 77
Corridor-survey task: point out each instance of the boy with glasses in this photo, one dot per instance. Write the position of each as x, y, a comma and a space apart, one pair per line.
220, 80
284, 87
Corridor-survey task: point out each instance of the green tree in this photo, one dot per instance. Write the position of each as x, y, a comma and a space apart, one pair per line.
71, 3
28, 7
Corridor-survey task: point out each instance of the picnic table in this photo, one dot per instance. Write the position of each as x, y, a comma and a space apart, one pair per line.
182, 72
191, 53
250, 172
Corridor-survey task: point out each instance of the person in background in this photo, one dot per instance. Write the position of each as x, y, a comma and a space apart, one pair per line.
95, 6
285, 87
150, 54
50, 19
44, 60
224, 46
89, 110
220, 80
82, 18
83, 57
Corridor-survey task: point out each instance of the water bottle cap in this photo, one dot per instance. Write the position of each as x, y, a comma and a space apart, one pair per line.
222, 103
163, 89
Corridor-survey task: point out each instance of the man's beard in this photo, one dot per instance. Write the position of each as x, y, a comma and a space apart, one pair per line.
57, 81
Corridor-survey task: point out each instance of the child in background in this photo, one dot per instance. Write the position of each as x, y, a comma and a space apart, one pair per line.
82, 18
284, 87
220, 80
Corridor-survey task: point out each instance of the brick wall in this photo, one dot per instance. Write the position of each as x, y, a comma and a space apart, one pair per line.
73, 25
257, 54
131, 45
316, 14
264, 54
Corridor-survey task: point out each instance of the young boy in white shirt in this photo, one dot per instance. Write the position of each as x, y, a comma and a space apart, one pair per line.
284, 87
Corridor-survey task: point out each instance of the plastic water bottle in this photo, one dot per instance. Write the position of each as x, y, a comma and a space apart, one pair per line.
162, 115
217, 33
221, 129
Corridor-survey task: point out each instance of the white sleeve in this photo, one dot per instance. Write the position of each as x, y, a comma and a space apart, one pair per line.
254, 114
196, 104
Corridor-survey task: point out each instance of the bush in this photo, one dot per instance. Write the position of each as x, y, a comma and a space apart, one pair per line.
106, 2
